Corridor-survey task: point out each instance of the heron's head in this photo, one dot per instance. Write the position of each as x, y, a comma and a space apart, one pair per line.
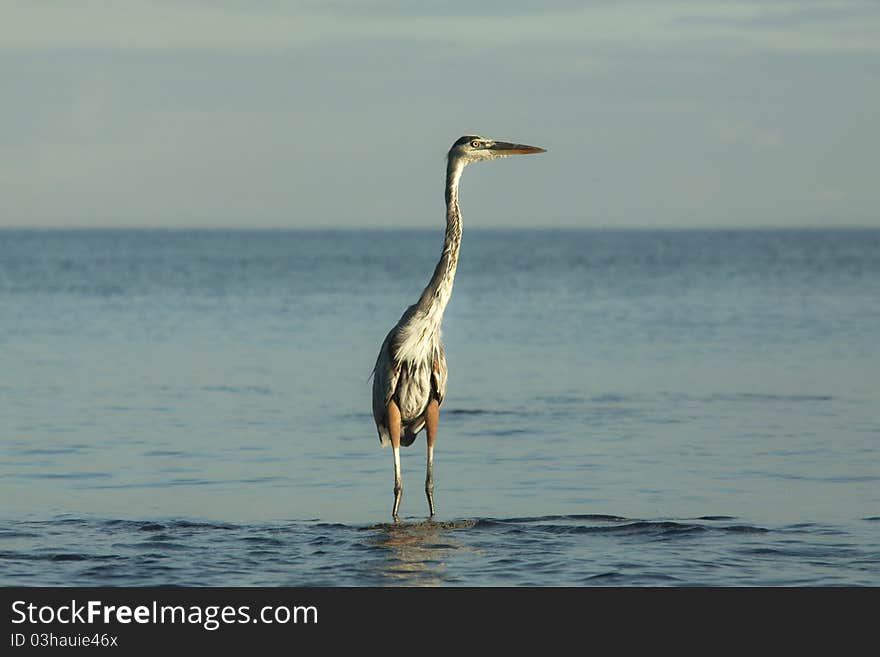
473, 148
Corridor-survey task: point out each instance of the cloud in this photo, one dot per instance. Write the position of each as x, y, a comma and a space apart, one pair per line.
217, 112
196, 25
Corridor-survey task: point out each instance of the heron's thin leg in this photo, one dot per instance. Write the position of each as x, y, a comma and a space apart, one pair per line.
394, 430
432, 420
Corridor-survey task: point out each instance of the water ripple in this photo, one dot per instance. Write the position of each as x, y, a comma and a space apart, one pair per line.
548, 550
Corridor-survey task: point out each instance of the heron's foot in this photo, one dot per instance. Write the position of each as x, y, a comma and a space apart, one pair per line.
398, 493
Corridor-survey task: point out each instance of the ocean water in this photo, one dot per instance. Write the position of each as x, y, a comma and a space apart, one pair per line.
624, 408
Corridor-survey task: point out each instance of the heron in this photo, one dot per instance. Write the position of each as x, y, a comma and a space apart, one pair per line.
409, 379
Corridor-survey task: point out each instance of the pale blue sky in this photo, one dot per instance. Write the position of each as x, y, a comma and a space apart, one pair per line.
180, 113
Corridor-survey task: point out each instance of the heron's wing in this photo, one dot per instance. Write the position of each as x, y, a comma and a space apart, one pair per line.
439, 374
386, 374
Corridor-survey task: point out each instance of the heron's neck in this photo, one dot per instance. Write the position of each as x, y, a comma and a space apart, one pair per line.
436, 294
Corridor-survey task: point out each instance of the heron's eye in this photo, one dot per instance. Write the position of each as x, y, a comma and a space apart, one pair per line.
475, 144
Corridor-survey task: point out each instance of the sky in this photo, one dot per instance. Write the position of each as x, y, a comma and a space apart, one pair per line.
339, 113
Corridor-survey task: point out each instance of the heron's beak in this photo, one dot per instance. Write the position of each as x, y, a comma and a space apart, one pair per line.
506, 148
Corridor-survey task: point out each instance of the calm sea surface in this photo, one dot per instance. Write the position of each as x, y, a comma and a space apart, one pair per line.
624, 408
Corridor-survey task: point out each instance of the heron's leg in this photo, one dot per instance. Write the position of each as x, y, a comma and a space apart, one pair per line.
432, 420
394, 430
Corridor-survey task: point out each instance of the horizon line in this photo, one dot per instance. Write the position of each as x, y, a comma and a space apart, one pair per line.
381, 228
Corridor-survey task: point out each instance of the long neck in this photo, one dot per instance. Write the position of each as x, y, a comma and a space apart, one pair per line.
436, 294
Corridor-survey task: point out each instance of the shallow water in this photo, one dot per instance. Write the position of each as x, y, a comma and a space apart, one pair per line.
624, 408
537, 551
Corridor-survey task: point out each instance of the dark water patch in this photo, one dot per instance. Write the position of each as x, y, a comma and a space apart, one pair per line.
611, 577
133, 485
440, 546
207, 526
268, 555
655, 578
117, 522
361, 546
168, 452
632, 527
61, 449
771, 551
103, 573
14, 533
262, 480
568, 517
267, 541
503, 433
326, 540
70, 557
150, 557
65, 475
661, 528
472, 411
239, 390
193, 481
6, 555
463, 412
715, 518
154, 544
152, 525
54, 556
561, 399
825, 554
850, 479
173, 529
768, 398
161, 538
585, 524
66, 520
742, 529
611, 398
815, 529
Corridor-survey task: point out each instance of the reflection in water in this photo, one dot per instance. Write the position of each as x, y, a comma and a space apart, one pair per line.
417, 552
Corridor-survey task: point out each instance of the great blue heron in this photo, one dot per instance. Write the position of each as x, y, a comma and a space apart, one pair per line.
409, 380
